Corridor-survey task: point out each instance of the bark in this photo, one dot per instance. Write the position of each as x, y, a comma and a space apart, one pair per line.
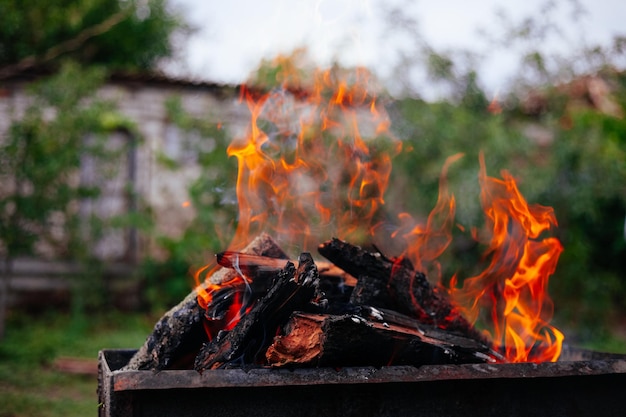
292, 290
351, 340
179, 334
393, 284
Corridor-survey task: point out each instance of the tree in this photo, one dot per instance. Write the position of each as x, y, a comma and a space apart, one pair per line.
40, 159
121, 35
78, 42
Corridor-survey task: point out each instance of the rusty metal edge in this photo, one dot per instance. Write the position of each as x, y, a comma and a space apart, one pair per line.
147, 380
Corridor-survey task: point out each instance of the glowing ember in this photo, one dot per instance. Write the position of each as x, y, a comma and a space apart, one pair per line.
313, 166
237, 308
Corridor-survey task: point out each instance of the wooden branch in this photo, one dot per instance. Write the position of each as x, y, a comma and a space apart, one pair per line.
66, 46
254, 264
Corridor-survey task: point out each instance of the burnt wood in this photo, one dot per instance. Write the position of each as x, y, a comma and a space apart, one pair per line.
293, 289
179, 333
318, 340
256, 264
393, 284
392, 316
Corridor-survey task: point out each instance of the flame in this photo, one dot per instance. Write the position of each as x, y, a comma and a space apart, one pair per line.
317, 177
309, 168
426, 243
237, 288
494, 106
512, 290
306, 180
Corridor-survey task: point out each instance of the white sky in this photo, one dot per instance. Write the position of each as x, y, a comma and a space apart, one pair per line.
234, 35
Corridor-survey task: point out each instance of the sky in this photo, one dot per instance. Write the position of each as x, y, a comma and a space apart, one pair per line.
232, 37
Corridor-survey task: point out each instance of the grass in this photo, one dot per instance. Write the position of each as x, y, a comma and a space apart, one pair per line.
29, 384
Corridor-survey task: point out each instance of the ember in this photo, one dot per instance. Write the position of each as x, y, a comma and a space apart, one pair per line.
308, 171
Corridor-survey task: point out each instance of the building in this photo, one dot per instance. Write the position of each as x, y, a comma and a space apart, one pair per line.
143, 178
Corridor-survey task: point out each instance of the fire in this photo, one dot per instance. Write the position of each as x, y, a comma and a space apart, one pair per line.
512, 290
313, 166
306, 171
426, 243
317, 176
237, 307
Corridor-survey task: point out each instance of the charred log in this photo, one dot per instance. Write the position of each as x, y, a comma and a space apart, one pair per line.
255, 264
393, 284
336, 284
292, 290
351, 340
179, 333
370, 290
388, 314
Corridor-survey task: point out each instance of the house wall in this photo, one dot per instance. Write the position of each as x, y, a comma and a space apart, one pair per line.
161, 189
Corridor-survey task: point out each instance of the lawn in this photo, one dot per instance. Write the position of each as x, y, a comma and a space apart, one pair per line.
29, 383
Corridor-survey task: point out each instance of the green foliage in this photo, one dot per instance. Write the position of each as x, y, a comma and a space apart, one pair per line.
119, 34
212, 193
211, 196
41, 157
65, 124
434, 131
588, 191
579, 170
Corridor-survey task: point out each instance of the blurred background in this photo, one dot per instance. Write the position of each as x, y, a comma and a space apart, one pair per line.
115, 116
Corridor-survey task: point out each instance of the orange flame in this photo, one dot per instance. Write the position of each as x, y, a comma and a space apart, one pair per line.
309, 168
235, 310
426, 243
513, 287
318, 177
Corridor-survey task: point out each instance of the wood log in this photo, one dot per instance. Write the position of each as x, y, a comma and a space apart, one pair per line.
292, 290
350, 340
263, 246
371, 290
179, 334
335, 283
401, 288
255, 264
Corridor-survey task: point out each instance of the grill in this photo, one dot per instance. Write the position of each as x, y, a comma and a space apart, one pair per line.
581, 383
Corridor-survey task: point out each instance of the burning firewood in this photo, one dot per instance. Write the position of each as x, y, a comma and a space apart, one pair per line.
292, 290
179, 333
350, 340
336, 284
393, 284
253, 264
392, 316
